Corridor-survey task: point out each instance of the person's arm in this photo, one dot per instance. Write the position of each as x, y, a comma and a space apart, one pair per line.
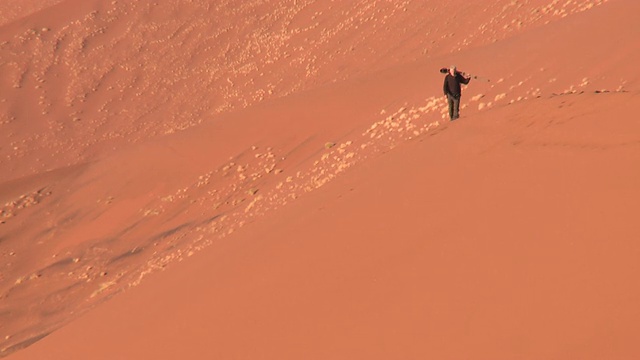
445, 87
464, 79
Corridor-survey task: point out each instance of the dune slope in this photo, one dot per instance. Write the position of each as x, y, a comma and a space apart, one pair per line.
518, 241
343, 217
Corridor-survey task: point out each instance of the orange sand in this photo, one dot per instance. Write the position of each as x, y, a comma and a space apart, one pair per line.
279, 180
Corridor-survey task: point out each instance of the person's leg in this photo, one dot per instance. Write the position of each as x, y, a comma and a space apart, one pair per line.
450, 100
456, 108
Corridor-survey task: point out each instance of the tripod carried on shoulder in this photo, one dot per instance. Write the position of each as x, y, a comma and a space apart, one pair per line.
445, 70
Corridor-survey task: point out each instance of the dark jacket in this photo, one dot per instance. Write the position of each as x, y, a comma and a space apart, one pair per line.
452, 84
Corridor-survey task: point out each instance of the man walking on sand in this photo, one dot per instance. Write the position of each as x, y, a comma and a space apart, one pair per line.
453, 91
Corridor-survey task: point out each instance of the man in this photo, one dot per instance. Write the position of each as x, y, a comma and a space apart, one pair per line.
453, 91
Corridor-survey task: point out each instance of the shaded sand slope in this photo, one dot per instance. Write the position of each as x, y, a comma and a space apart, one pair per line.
490, 239
513, 226
100, 227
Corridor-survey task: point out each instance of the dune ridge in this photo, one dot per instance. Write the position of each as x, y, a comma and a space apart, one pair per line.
132, 196
13, 10
187, 62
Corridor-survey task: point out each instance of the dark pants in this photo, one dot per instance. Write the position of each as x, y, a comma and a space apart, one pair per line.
454, 106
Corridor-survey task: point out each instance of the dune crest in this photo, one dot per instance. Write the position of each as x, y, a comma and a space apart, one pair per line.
88, 77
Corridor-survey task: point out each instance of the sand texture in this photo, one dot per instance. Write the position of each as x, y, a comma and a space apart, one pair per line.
280, 180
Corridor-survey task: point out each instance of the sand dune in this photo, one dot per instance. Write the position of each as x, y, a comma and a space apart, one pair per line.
13, 10
89, 76
291, 167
